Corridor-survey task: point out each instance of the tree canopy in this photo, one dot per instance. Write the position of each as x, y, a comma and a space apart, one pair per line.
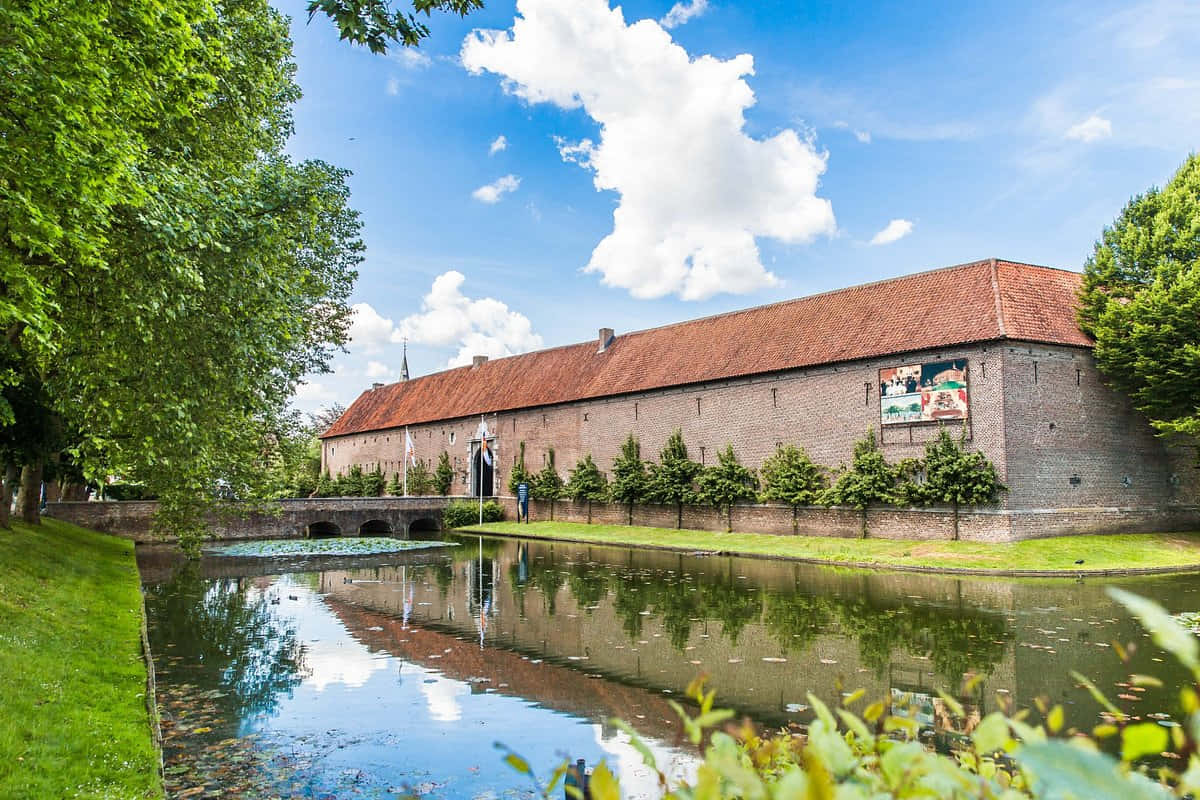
790, 476
726, 483
374, 23
170, 272
1141, 301
671, 479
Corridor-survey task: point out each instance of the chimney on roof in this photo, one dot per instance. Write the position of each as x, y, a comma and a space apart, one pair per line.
376, 385
606, 337
477, 361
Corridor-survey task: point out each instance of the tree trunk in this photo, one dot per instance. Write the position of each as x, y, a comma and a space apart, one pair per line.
679, 516
552, 509
729, 523
864, 523
795, 520
631, 512
589, 512
29, 501
956, 520
11, 473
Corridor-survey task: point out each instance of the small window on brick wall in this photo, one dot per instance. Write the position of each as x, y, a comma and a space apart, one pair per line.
774, 398
635, 410
701, 455
1035, 375
697, 406
867, 391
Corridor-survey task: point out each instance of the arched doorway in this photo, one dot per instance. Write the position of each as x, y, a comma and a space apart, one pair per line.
323, 530
375, 527
480, 467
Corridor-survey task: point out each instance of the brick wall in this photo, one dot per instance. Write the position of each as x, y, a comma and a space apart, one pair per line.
1059, 438
1073, 443
824, 409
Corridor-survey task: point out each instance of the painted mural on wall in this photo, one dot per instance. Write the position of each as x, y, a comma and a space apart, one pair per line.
928, 392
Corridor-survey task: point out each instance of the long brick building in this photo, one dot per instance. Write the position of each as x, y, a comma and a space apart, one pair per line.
990, 345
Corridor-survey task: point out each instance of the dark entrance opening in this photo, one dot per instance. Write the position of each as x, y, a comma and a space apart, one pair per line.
323, 530
424, 525
375, 527
483, 468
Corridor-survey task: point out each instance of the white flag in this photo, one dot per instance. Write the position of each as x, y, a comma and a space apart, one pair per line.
484, 450
410, 452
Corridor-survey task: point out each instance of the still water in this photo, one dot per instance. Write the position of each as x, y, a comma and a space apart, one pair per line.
391, 675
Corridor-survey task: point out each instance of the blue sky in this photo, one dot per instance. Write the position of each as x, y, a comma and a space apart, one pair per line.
750, 152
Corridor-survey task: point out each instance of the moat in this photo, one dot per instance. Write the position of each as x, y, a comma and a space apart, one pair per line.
396, 674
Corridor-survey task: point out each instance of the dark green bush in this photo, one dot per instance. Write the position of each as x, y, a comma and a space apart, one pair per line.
461, 513
127, 491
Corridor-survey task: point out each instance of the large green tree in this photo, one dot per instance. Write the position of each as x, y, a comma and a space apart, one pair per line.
173, 323
1141, 301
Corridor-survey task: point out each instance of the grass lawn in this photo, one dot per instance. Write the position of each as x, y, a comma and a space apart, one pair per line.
73, 720
1131, 551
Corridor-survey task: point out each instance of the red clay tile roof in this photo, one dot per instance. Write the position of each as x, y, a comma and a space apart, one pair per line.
977, 302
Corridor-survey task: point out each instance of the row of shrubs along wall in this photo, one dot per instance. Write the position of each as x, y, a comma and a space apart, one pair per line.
882, 523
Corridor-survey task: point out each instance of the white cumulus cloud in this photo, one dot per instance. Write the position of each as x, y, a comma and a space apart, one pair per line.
483, 326
498, 144
895, 230
1091, 129
369, 329
682, 12
492, 192
695, 191
377, 369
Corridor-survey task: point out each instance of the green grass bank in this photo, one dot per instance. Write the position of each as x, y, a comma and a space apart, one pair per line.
72, 679
1131, 552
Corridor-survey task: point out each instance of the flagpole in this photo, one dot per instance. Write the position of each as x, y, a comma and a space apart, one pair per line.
406, 441
482, 444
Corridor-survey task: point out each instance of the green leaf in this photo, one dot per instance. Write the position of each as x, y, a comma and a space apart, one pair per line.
991, 734
1062, 770
1164, 630
1143, 739
602, 785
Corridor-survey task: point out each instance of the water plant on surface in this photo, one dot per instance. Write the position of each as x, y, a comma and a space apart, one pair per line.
347, 546
859, 750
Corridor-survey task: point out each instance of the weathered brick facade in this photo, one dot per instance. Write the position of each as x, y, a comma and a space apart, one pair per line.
1075, 455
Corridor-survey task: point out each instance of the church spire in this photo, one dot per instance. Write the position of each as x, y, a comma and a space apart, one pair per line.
404, 363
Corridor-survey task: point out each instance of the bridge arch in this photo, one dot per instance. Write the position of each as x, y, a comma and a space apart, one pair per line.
424, 525
323, 529
375, 527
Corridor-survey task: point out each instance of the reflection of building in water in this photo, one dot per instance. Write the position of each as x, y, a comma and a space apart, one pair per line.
768, 633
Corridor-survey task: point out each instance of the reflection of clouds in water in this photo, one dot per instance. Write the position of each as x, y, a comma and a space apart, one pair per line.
331, 662
442, 697
637, 779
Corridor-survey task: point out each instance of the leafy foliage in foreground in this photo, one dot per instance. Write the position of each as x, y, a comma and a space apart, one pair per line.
848, 754
726, 483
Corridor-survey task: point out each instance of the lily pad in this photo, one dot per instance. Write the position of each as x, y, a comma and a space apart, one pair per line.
342, 546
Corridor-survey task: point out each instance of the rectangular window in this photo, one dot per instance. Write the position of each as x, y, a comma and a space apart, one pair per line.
697, 406
774, 398
1035, 375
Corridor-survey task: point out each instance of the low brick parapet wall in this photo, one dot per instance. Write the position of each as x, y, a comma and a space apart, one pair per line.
134, 519
282, 519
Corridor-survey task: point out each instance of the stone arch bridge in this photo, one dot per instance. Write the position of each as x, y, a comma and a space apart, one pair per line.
296, 519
